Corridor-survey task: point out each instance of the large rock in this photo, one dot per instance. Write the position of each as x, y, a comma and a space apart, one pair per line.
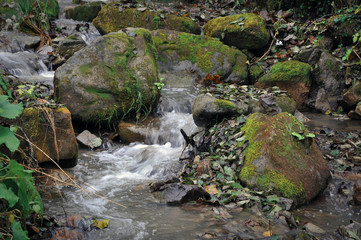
242, 31
51, 133
291, 76
277, 161
207, 110
111, 78
85, 12
111, 19
182, 57
329, 79
68, 46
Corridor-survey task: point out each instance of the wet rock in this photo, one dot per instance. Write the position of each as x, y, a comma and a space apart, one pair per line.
110, 78
352, 230
85, 12
308, 55
271, 152
113, 18
68, 46
207, 110
130, 132
179, 63
354, 115
353, 95
176, 193
68, 234
312, 228
357, 192
291, 76
329, 78
51, 130
17, 41
89, 140
244, 31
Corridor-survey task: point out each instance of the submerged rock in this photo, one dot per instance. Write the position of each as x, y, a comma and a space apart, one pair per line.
176, 193
292, 76
182, 57
282, 158
112, 19
111, 78
242, 31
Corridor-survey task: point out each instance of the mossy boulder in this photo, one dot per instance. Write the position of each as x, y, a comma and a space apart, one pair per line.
85, 12
110, 19
207, 110
183, 57
291, 76
244, 31
51, 133
278, 162
111, 78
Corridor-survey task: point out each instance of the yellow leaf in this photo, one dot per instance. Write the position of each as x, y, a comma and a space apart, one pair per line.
357, 10
101, 223
11, 218
267, 234
211, 189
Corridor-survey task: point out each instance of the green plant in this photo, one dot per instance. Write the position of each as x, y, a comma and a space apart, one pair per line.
5, 86
159, 84
18, 196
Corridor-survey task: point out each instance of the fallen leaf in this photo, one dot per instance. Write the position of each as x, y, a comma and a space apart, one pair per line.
101, 223
211, 189
267, 234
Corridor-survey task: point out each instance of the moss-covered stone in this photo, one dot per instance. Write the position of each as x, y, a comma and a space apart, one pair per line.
85, 12
353, 95
242, 31
292, 76
255, 72
110, 19
278, 162
208, 55
111, 78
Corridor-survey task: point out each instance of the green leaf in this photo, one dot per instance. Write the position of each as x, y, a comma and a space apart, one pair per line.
310, 135
236, 186
8, 110
8, 137
299, 136
8, 195
18, 232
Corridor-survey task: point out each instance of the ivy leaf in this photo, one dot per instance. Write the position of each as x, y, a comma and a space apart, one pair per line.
8, 137
18, 232
8, 195
8, 110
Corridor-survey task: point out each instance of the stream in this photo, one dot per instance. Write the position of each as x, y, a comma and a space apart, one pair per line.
123, 172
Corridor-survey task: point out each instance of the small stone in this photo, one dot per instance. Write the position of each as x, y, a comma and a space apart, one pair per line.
88, 139
312, 228
345, 146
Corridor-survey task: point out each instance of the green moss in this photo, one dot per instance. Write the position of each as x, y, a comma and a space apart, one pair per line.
252, 34
255, 72
86, 68
99, 92
86, 12
281, 185
288, 71
225, 104
287, 104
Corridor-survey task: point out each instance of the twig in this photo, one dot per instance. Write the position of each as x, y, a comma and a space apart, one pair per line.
270, 47
356, 54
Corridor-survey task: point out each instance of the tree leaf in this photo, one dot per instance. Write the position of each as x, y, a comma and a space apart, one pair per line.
211, 189
18, 232
8, 195
8, 110
8, 137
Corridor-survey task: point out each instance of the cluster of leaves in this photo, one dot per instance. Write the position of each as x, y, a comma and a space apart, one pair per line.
19, 199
